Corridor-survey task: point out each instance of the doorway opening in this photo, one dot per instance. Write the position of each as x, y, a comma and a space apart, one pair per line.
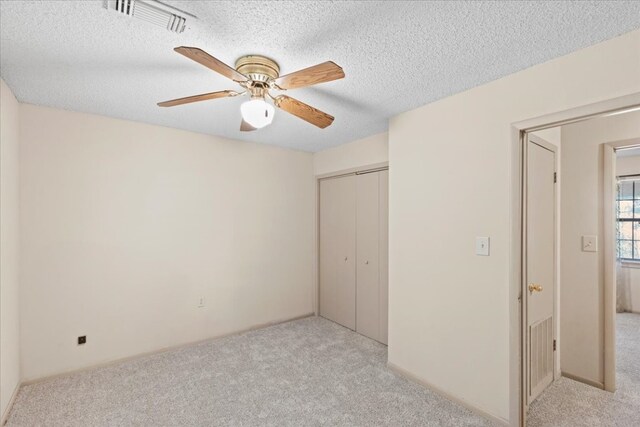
567, 240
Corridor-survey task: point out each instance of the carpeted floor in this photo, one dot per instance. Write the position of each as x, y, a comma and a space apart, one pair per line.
309, 372
573, 404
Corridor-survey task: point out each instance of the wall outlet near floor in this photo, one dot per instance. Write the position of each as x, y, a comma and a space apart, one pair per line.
82, 340
200, 302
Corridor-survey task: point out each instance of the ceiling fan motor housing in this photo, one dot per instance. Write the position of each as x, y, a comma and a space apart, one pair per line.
258, 68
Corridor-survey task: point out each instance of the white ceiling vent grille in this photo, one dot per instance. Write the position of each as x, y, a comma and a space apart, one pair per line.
155, 12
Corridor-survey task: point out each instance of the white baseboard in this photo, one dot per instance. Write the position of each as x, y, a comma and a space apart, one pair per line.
7, 411
162, 350
472, 408
586, 381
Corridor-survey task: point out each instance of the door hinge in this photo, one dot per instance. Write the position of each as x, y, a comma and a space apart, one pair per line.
555, 177
554, 345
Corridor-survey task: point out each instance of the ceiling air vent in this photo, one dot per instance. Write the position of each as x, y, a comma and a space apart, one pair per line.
155, 12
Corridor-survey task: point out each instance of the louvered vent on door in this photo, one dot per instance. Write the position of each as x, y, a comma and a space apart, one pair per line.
541, 348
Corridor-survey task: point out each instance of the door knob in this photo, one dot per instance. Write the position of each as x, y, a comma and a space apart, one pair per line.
366, 262
345, 258
534, 288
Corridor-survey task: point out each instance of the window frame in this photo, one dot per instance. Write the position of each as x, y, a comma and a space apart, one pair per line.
635, 180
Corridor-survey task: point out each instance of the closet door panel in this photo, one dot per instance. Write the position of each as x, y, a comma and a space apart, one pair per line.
368, 263
338, 250
384, 255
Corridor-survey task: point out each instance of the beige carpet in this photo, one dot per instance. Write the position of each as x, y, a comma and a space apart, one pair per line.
573, 404
309, 372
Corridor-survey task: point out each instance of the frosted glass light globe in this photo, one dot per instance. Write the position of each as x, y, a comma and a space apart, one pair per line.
257, 113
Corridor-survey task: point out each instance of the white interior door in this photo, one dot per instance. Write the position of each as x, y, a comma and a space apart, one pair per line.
540, 266
338, 250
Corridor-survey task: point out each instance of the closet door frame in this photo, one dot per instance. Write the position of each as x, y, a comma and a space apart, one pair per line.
346, 172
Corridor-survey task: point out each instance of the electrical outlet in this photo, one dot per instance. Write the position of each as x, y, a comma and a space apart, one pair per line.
82, 340
201, 302
482, 246
589, 243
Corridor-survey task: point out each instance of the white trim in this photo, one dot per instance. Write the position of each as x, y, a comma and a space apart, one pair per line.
608, 199
580, 379
630, 264
12, 400
516, 374
411, 377
351, 171
609, 107
609, 297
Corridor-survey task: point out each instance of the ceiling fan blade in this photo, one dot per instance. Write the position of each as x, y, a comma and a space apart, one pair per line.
321, 73
196, 98
209, 61
246, 127
303, 111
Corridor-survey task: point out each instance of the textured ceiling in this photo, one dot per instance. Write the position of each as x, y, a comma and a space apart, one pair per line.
397, 56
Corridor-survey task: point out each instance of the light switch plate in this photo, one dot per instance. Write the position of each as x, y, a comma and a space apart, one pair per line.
589, 243
482, 246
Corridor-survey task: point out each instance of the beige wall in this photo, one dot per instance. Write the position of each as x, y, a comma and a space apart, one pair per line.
451, 321
362, 152
9, 220
552, 135
124, 226
582, 273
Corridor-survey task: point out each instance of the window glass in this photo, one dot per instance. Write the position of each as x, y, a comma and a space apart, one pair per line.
626, 190
636, 193
625, 230
625, 209
625, 248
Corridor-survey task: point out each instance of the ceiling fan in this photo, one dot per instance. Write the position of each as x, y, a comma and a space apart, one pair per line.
258, 75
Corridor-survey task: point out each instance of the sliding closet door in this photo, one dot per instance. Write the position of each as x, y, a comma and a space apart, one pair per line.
338, 250
384, 255
368, 254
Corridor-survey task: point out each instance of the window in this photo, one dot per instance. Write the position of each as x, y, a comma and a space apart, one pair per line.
628, 216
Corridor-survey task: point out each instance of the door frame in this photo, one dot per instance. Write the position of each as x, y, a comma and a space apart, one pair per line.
517, 291
320, 177
610, 179
556, 245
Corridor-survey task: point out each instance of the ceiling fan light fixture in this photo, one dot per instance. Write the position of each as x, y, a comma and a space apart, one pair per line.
258, 75
257, 112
